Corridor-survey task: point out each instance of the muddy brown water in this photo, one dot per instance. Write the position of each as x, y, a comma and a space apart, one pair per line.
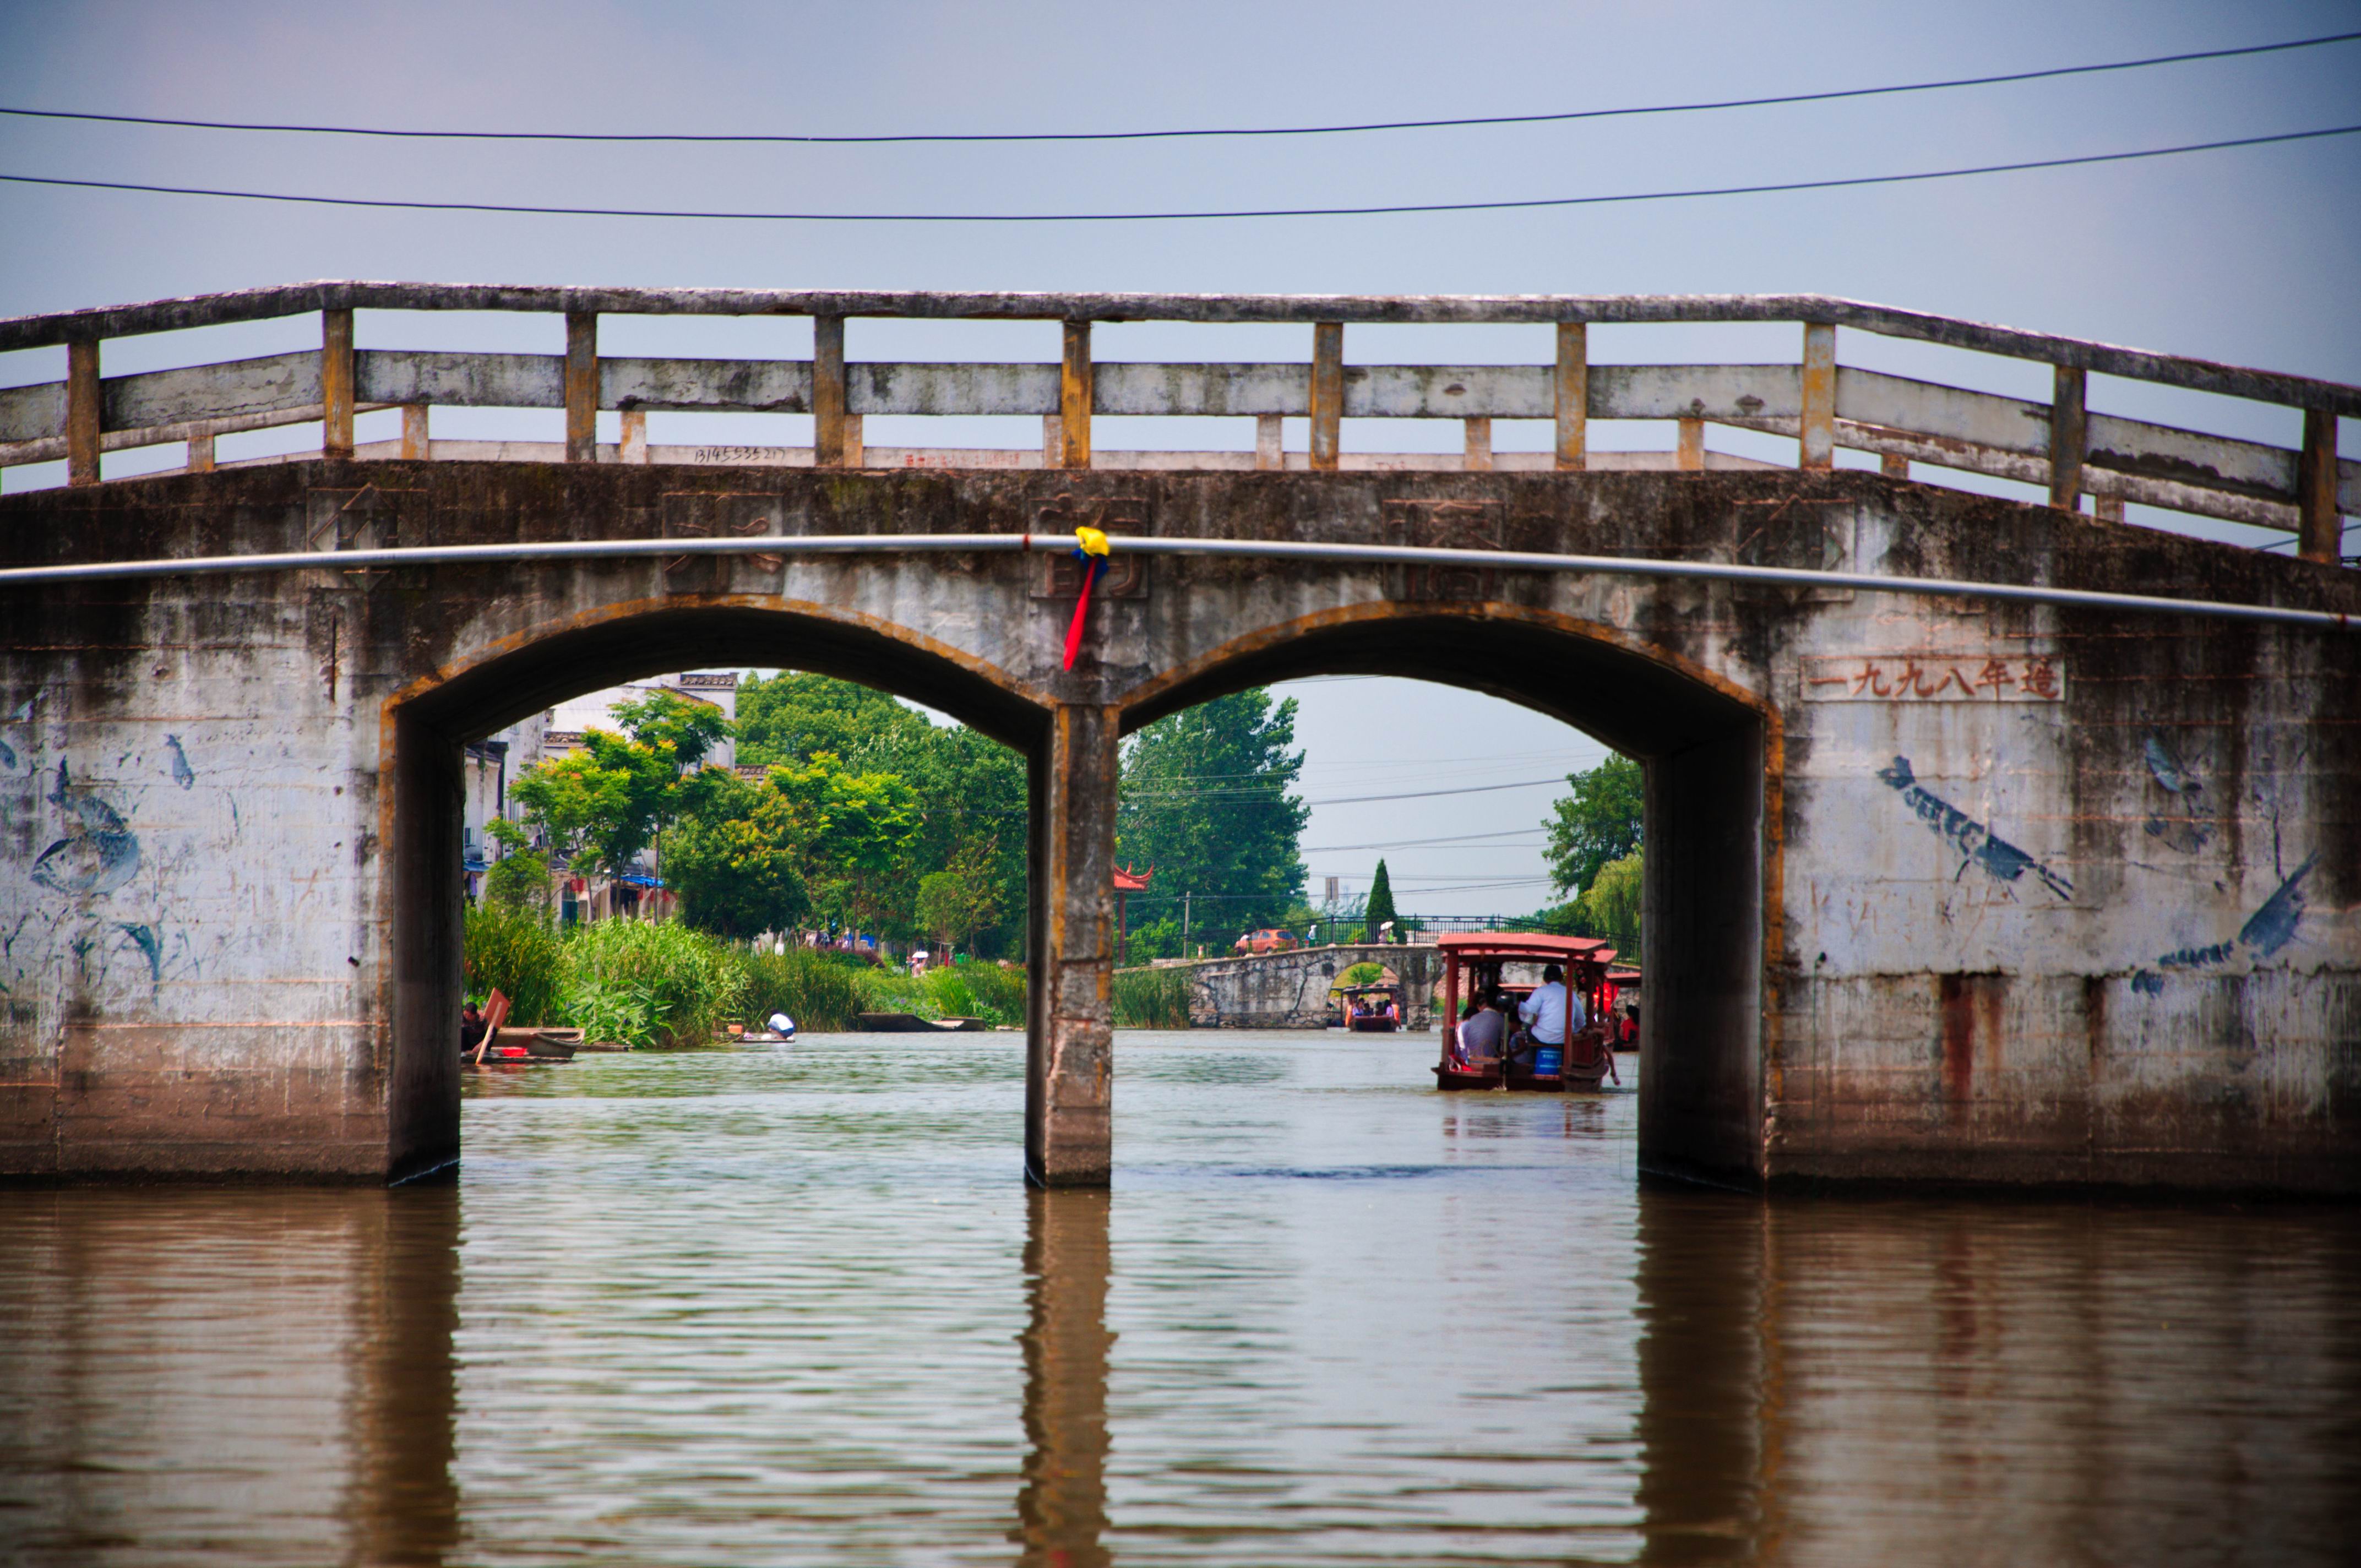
794, 1305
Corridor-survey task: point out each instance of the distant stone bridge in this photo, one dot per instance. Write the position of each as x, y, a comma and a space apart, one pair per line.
1289, 990
1978, 850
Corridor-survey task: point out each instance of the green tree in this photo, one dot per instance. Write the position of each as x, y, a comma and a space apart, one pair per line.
736, 859
520, 878
1379, 911
968, 787
1206, 804
604, 804
793, 716
855, 831
1611, 903
1598, 822
966, 895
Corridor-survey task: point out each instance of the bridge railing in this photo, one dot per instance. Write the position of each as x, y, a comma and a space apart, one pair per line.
2062, 446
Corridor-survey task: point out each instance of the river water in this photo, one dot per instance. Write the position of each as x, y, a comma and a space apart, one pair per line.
795, 1306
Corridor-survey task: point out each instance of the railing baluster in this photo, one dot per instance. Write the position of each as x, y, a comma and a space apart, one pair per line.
1327, 392
1893, 466
581, 386
827, 392
336, 383
2321, 529
1572, 395
82, 411
635, 446
2069, 435
1074, 394
415, 446
1819, 443
1270, 432
201, 455
1477, 445
1689, 451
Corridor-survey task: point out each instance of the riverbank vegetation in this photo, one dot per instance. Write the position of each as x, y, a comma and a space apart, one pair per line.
657, 986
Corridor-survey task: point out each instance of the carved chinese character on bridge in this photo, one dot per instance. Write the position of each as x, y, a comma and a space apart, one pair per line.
1060, 575
1446, 525
1934, 678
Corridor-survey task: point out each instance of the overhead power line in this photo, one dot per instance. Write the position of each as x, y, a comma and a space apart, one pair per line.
1380, 209
1558, 116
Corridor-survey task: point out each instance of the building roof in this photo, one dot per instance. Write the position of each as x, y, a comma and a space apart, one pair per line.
1129, 881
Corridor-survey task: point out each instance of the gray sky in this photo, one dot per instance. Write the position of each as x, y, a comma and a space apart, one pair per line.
2248, 256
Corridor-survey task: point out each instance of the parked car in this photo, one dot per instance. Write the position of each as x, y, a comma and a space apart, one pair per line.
1268, 940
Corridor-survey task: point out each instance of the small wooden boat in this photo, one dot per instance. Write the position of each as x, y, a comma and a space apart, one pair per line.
1474, 963
911, 1023
1372, 1009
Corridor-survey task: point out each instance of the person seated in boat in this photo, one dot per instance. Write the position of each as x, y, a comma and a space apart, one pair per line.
1481, 1027
1551, 1011
471, 1027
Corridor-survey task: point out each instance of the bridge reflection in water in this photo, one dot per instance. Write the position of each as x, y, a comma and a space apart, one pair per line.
714, 1310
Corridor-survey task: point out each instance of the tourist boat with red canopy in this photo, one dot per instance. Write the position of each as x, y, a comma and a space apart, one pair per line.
1509, 964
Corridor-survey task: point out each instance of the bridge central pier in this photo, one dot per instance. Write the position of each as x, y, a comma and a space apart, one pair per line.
1940, 887
1076, 778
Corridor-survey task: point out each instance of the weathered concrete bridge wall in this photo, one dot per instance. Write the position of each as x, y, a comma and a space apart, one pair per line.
1937, 888
1289, 990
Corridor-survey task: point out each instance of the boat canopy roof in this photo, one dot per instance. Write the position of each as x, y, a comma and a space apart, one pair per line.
1527, 944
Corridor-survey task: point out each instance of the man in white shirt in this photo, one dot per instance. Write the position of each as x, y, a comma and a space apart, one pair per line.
1551, 1011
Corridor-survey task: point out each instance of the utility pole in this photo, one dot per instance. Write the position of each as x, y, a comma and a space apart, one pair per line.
1185, 896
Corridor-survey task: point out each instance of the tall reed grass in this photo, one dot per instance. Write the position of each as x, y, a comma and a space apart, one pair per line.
645, 984
1151, 998
818, 992
512, 951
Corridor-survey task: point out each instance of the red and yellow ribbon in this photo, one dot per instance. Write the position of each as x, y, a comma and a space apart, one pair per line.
1091, 549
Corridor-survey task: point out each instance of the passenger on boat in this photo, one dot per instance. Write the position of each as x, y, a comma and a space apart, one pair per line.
1552, 1012
471, 1027
1480, 1029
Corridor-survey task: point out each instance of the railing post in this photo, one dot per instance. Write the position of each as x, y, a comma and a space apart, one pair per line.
1477, 449
581, 386
415, 446
1572, 395
1893, 466
201, 455
1074, 394
1327, 392
827, 392
82, 412
337, 384
1689, 451
2320, 534
1819, 425
2069, 435
633, 447
1270, 433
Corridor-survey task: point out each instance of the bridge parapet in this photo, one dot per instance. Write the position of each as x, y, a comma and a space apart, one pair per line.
2062, 446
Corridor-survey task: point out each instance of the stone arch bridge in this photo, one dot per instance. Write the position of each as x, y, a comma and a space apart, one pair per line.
1975, 853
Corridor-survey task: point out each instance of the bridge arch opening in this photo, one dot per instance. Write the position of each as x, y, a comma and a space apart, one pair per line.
1710, 760
427, 726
